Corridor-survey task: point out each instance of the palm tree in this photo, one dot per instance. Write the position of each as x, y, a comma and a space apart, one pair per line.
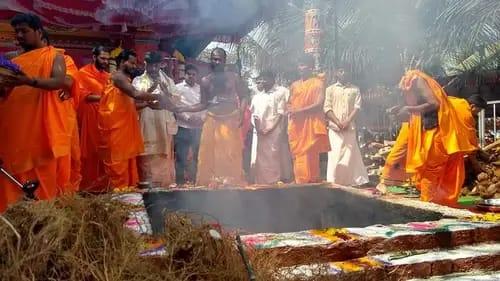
378, 39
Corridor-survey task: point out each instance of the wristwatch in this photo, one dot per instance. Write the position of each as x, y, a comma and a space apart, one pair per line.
34, 82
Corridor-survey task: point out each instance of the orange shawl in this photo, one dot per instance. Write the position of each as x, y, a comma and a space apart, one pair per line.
120, 135
75, 174
452, 130
307, 131
464, 114
72, 70
34, 122
92, 81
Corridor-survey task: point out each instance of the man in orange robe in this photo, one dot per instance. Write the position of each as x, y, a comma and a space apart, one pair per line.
93, 79
70, 94
438, 139
307, 132
120, 140
33, 119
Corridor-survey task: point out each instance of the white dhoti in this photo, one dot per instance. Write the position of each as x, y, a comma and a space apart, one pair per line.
345, 164
273, 162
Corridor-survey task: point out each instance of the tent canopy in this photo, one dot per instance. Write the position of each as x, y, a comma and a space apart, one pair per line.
166, 18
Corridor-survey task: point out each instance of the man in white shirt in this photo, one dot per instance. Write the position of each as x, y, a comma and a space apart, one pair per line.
188, 136
342, 103
156, 164
268, 107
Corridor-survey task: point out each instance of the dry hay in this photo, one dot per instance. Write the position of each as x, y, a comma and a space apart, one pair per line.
84, 239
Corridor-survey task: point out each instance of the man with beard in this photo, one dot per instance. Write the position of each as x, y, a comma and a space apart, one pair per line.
120, 140
93, 79
221, 146
33, 118
158, 126
306, 127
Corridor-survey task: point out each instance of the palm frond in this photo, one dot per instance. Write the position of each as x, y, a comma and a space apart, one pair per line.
486, 59
379, 40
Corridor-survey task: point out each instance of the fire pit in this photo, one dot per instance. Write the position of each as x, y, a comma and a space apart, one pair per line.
280, 209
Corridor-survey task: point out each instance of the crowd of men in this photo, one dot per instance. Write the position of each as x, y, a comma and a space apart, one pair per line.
94, 131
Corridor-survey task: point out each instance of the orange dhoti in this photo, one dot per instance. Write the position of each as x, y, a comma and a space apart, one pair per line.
307, 132
92, 82
306, 167
220, 155
121, 174
45, 174
68, 171
94, 178
76, 165
75, 176
36, 134
441, 177
120, 139
394, 172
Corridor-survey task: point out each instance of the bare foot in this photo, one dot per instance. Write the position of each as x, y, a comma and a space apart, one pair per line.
382, 188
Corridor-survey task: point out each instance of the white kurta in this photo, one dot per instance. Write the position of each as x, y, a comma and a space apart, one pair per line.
345, 163
271, 149
157, 126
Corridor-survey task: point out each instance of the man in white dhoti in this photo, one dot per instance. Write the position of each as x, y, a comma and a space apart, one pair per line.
268, 107
158, 126
342, 103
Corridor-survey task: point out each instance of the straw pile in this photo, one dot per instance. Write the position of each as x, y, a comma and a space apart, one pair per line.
84, 239
487, 183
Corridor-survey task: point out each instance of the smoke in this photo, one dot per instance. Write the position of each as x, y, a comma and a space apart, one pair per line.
273, 210
379, 39
229, 17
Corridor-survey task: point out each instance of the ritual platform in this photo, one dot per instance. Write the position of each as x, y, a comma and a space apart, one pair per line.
324, 232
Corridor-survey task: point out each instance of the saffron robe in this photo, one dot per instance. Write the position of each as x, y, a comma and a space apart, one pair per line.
36, 132
92, 82
120, 140
307, 132
436, 156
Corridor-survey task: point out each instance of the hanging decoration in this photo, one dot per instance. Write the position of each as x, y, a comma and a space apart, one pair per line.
312, 31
